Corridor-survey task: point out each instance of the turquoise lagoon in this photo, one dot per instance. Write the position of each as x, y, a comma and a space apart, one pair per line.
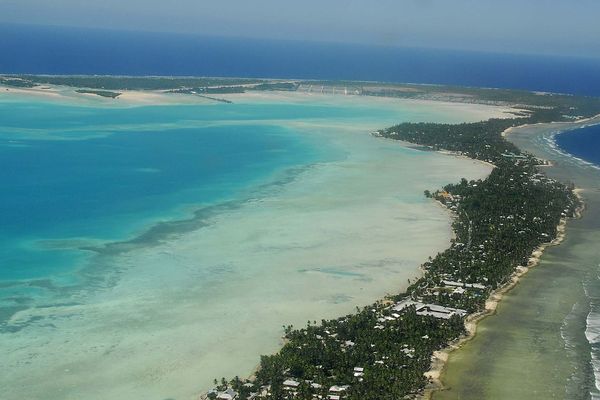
149, 249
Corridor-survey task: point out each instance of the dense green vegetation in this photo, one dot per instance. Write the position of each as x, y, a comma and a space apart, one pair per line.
383, 350
480, 140
284, 86
102, 93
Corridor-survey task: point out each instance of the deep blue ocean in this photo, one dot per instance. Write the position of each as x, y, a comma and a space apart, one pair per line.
583, 143
52, 50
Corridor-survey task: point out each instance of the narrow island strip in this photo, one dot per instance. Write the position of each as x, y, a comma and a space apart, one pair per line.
396, 347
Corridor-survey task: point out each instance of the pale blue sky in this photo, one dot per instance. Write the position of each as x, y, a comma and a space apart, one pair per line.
524, 26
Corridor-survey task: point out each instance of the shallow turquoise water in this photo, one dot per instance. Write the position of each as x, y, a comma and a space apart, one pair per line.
102, 187
79, 175
128, 168
197, 231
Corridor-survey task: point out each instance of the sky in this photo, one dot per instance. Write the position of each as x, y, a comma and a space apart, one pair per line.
558, 27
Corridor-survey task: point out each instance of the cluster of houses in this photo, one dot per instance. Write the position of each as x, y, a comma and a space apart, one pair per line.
392, 312
290, 385
335, 392
513, 156
431, 310
457, 287
228, 394
451, 201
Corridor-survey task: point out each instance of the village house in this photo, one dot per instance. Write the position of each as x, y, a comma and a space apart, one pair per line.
432, 310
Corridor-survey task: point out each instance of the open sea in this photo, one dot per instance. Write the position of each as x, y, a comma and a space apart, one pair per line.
54, 50
582, 143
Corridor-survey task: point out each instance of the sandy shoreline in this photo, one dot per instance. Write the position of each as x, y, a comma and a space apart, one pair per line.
440, 358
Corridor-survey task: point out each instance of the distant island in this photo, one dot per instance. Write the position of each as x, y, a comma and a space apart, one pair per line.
502, 223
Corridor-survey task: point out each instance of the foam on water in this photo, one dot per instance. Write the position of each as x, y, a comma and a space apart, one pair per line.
592, 331
570, 332
552, 143
591, 285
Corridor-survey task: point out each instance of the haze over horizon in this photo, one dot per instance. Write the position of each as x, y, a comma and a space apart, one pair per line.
535, 27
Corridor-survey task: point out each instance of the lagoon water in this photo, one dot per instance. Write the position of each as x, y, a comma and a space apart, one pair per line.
149, 249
